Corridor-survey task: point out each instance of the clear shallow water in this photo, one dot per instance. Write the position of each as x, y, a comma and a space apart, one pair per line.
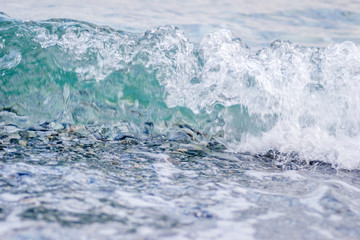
158, 132
75, 185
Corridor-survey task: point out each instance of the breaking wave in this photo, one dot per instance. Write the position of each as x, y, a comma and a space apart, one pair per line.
285, 97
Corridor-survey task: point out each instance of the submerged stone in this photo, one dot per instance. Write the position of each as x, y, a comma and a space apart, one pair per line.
178, 136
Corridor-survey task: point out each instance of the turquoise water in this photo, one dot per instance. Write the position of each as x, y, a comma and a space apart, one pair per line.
179, 120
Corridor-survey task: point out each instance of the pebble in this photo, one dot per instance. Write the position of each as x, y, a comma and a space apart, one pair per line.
23, 143
14, 136
179, 136
181, 150
31, 134
190, 147
44, 139
136, 165
56, 126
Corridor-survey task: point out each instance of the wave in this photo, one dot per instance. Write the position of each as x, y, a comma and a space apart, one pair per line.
285, 97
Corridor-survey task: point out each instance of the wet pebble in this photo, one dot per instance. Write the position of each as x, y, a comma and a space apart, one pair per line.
178, 136
14, 136
31, 134
215, 145
22, 143
56, 126
44, 139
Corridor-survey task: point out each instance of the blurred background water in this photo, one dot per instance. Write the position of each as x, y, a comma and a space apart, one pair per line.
258, 23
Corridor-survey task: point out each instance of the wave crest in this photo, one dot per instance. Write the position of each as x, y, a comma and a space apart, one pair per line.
286, 97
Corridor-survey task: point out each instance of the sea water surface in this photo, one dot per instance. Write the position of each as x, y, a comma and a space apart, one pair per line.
179, 119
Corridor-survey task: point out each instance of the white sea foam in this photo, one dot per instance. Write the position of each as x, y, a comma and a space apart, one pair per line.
286, 97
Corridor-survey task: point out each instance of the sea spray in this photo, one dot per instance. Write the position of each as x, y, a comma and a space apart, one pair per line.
285, 97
